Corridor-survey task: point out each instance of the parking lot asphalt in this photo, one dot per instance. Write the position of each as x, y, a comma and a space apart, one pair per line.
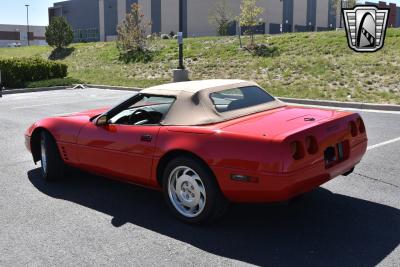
88, 220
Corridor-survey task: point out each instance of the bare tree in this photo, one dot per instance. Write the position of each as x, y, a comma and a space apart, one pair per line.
220, 15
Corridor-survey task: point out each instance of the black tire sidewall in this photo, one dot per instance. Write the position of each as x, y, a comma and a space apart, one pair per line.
55, 166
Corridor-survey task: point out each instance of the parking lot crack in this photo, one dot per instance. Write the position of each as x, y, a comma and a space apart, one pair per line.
375, 179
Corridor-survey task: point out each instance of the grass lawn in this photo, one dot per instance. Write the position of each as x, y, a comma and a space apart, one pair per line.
309, 65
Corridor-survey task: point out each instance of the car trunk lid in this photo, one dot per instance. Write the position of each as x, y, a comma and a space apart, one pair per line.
283, 122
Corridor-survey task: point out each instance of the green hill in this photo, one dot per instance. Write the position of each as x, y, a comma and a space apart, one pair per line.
309, 65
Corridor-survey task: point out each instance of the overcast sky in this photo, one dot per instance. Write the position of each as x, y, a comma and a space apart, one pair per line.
14, 11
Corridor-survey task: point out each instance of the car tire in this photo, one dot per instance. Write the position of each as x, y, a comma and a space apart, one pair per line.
191, 191
52, 165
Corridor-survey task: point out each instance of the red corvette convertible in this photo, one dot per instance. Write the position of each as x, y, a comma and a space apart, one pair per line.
204, 144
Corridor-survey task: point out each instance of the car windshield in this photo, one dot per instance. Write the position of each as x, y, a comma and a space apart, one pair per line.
239, 98
146, 110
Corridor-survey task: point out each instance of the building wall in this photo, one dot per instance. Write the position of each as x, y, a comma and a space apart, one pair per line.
164, 15
398, 17
331, 15
322, 15
273, 10
311, 13
300, 12
145, 6
111, 17
169, 16
198, 16
81, 15
102, 29
287, 15
18, 34
155, 16
122, 10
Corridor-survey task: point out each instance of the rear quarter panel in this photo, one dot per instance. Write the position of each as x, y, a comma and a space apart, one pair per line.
221, 149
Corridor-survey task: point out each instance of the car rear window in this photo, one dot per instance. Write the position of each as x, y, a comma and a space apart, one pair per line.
239, 98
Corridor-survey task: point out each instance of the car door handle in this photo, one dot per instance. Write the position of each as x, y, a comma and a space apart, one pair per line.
146, 138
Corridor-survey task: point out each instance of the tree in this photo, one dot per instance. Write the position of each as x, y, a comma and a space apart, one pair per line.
249, 17
59, 33
220, 16
132, 40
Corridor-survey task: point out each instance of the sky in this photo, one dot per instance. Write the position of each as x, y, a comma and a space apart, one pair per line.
14, 11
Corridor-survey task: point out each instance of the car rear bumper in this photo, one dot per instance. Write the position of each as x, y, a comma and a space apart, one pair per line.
271, 187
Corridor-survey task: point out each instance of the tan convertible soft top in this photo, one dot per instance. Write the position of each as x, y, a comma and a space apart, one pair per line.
193, 105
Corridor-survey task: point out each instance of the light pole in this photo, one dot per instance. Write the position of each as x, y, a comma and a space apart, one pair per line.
180, 35
180, 74
27, 22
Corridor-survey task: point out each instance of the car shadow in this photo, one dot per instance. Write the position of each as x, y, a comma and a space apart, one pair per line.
321, 228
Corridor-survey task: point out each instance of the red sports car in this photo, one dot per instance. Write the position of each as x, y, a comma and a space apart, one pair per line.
204, 144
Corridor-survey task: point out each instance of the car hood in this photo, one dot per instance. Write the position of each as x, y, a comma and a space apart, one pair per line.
88, 113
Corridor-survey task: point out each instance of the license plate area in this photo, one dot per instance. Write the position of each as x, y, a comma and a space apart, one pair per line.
336, 153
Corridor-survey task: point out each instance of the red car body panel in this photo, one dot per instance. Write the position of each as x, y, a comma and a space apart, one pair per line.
256, 146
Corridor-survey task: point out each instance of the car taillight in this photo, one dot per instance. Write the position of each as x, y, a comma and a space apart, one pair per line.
361, 126
296, 149
311, 145
353, 128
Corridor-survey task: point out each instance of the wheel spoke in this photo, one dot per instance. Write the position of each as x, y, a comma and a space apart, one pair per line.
187, 192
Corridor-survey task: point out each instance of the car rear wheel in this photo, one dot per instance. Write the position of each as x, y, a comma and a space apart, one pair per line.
51, 163
191, 191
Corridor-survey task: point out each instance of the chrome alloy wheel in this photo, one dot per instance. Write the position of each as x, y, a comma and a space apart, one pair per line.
186, 191
43, 154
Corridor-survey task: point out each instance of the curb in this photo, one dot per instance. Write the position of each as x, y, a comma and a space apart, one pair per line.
32, 90
328, 103
121, 88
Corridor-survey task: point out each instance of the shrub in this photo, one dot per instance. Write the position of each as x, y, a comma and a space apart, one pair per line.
17, 72
262, 50
221, 16
59, 34
132, 42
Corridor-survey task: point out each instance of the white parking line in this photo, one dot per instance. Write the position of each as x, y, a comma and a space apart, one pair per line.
384, 143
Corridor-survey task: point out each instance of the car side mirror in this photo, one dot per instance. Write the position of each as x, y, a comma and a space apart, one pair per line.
102, 120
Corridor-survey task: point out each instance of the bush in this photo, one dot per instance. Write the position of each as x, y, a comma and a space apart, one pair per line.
59, 34
132, 41
264, 50
17, 72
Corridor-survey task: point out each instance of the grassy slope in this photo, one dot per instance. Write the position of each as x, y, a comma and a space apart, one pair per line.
310, 65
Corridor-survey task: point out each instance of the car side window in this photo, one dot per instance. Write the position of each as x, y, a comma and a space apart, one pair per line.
238, 98
149, 110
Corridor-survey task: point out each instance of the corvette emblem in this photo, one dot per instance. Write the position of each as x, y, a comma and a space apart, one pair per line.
365, 27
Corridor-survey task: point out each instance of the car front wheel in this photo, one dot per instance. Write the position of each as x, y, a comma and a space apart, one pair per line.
191, 191
51, 163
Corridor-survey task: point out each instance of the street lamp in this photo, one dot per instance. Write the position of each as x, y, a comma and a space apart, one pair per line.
180, 35
180, 73
27, 22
